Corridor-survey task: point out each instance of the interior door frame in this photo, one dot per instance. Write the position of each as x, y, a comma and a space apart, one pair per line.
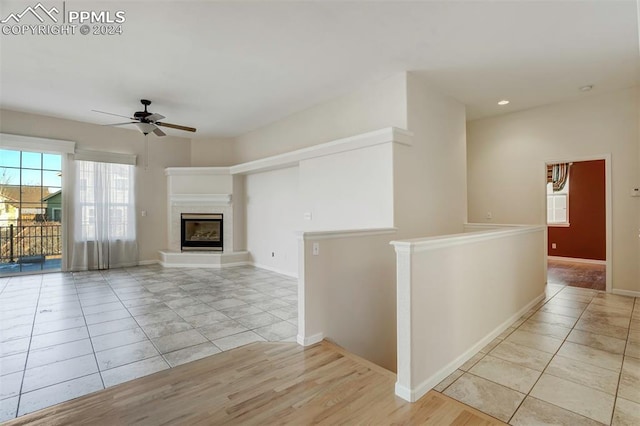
608, 208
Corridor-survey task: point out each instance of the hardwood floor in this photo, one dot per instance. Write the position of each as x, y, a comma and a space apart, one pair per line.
575, 274
262, 383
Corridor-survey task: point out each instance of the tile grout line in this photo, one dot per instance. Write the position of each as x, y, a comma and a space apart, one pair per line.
84, 318
554, 355
488, 353
136, 321
624, 351
528, 394
237, 286
26, 361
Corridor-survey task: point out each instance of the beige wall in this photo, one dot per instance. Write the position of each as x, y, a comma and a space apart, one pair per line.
348, 293
506, 166
375, 106
150, 184
212, 152
430, 175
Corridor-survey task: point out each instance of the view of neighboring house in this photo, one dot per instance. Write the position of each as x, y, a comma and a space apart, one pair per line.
25, 203
26, 213
53, 209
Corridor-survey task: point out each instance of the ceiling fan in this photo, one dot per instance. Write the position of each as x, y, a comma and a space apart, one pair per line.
146, 121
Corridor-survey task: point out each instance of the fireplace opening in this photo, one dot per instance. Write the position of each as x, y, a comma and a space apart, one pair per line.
201, 231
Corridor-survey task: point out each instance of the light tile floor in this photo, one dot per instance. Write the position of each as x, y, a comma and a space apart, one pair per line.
574, 359
64, 335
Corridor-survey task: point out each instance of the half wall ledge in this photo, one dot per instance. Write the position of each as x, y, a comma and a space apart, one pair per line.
477, 283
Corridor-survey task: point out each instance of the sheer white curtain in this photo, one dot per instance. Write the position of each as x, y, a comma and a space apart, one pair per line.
104, 227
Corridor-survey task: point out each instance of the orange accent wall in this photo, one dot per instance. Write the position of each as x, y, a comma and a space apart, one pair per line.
585, 238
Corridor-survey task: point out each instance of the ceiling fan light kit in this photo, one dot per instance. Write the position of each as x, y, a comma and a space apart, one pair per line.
148, 122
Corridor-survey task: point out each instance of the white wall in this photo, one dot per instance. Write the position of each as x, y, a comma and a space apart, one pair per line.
201, 183
150, 184
273, 217
430, 175
349, 190
638, 186
506, 166
374, 106
456, 293
239, 199
210, 152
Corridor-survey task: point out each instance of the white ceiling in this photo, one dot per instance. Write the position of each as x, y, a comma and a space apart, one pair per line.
231, 67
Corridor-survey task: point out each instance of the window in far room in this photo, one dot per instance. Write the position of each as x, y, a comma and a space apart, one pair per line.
558, 205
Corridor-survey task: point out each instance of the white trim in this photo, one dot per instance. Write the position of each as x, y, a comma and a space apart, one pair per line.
272, 269
200, 199
293, 158
148, 262
631, 293
203, 259
470, 226
105, 157
210, 266
432, 243
578, 260
347, 233
419, 391
196, 171
608, 205
311, 340
405, 393
29, 143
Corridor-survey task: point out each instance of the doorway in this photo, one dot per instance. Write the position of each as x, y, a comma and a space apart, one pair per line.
30, 212
578, 213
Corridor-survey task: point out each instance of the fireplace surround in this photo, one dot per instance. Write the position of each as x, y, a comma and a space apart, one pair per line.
201, 231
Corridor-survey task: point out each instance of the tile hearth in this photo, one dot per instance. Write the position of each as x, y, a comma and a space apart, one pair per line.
65, 335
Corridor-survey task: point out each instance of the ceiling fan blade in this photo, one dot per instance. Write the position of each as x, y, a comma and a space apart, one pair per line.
159, 132
110, 113
176, 126
154, 117
121, 124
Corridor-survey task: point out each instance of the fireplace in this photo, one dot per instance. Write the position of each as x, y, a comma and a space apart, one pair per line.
201, 231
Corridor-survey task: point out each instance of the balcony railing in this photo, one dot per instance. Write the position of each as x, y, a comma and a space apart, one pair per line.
32, 243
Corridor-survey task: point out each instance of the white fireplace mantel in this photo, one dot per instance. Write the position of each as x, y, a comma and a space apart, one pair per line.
200, 199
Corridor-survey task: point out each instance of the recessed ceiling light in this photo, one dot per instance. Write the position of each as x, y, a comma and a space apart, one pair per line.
586, 88
503, 102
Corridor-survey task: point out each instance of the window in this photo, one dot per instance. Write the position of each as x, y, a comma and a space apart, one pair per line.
558, 205
30, 187
106, 201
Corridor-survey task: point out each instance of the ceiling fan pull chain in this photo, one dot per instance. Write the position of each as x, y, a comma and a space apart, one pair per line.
146, 152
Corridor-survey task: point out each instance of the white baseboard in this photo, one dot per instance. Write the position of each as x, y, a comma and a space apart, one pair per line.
412, 395
578, 260
621, 292
404, 393
148, 262
272, 269
311, 340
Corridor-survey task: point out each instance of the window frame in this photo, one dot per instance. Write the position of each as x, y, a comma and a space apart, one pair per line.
556, 195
